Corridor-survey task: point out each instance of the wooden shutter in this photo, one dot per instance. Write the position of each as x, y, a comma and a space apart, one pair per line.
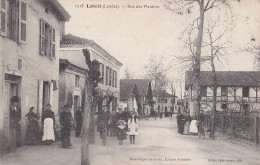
116, 79
52, 43
40, 94
22, 36
51, 92
3, 18
42, 36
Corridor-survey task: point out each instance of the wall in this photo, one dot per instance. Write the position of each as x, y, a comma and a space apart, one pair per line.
34, 66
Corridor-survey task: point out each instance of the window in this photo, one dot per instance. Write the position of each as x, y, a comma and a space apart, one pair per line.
77, 81
245, 91
203, 91
224, 91
165, 100
172, 101
107, 72
116, 79
110, 77
47, 39
13, 17
113, 78
102, 73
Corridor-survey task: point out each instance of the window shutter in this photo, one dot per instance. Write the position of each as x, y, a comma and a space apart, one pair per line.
22, 22
116, 79
52, 43
42, 36
40, 92
51, 92
3, 18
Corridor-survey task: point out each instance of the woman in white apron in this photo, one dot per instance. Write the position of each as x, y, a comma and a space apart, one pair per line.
48, 122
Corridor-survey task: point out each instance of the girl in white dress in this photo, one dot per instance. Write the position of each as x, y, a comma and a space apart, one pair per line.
132, 127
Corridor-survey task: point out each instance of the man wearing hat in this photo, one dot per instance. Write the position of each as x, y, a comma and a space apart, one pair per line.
15, 119
66, 124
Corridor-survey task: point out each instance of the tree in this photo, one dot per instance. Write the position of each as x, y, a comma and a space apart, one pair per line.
93, 77
172, 86
128, 75
156, 70
201, 6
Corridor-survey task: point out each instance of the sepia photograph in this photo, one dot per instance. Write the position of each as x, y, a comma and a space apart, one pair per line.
129, 82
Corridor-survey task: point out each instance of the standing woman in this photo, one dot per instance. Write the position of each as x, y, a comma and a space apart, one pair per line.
32, 131
132, 127
48, 122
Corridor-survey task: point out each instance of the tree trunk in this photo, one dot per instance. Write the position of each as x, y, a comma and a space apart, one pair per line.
197, 62
86, 124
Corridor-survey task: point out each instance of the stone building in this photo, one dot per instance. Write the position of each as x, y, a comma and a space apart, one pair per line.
236, 90
166, 102
29, 58
71, 50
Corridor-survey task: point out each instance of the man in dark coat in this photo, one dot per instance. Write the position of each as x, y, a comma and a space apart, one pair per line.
15, 119
103, 118
180, 122
79, 120
66, 124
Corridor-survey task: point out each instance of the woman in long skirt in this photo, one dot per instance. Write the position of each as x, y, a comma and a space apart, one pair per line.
32, 131
48, 121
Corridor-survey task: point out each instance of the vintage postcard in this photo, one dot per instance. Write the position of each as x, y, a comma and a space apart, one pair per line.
129, 82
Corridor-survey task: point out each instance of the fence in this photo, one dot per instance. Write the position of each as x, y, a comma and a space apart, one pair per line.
237, 125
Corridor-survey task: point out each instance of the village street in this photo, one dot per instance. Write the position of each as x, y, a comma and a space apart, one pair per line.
158, 143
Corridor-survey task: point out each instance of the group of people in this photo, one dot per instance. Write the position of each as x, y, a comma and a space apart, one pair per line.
187, 124
118, 124
47, 134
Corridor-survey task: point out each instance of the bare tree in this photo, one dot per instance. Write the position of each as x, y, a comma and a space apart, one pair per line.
157, 70
93, 77
202, 7
172, 86
128, 75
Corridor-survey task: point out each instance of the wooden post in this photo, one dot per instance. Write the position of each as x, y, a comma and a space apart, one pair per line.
223, 120
256, 129
232, 126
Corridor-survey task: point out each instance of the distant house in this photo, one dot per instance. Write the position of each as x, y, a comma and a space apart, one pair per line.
237, 90
128, 95
71, 49
166, 102
145, 100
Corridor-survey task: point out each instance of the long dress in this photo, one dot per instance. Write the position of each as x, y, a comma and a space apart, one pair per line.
79, 120
193, 126
186, 129
48, 123
32, 131
132, 126
66, 123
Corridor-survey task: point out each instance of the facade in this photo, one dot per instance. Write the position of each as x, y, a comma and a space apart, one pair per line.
166, 102
128, 95
71, 49
236, 90
145, 100
72, 80
29, 58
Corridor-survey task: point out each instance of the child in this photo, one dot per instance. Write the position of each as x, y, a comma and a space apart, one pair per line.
132, 127
121, 125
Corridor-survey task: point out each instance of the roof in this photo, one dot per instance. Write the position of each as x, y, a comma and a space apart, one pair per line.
164, 94
62, 12
70, 40
67, 64
126, 90
225, 78
142, 85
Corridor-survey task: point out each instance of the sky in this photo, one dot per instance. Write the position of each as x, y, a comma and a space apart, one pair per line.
132, 35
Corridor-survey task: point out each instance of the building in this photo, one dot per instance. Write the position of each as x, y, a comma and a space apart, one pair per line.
166, 102
145, 100
128, 95
236, 90
71, 50
72, 81
29, 58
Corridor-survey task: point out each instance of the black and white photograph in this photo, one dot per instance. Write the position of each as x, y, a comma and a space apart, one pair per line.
129, 82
